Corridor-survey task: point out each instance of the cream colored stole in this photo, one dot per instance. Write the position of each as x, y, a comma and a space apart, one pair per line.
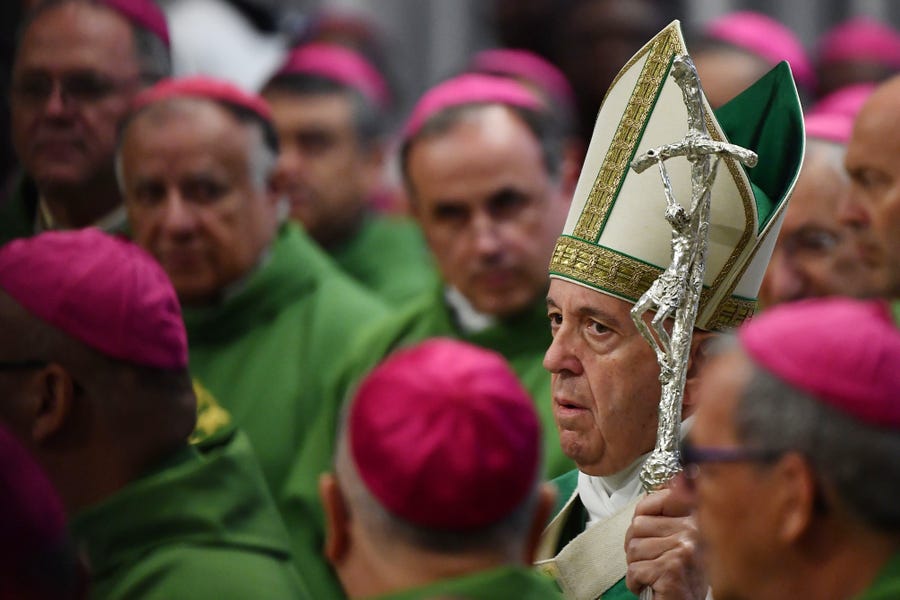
592, 562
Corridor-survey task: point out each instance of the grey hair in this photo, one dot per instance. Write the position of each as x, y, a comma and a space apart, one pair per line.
262, 154
505, 537
857, 461
547, 129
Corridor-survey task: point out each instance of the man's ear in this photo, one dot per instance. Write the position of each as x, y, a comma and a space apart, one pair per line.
793, 495
545, 503
337, 525
52, 402
697, 360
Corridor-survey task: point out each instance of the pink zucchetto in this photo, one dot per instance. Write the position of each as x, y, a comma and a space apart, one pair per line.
861, 39
444, 436
832, 117
527, 66
102, 290
843, 352
205, 88
339, 64
766, 38
831, 127
144, 14
470, 88
845, 101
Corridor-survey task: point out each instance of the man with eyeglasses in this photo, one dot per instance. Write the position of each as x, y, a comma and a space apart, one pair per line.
266, 310
815, 254
792, 464
607, 538
77, 67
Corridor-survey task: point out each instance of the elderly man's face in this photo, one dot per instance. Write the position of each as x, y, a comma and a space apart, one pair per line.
873, 162
195, 195
737, 525
489, 210
324, 170
73, 78
816, 255
605, 379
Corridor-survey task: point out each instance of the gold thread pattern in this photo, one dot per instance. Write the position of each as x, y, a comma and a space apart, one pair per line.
627, 277
631, 126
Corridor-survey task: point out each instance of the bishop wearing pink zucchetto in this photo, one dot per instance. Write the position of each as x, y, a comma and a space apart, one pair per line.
329, 106
436, 486
95, 385
488, 184
791, 465
817, 255
78, 65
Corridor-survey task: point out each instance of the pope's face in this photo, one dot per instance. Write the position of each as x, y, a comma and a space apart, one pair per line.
74, 76
873, 206
489, 209
604, 379
193, 198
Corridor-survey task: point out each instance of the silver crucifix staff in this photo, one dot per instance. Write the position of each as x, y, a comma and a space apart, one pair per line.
676, 293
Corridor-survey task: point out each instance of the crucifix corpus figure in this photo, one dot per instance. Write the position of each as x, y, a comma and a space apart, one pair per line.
676, 293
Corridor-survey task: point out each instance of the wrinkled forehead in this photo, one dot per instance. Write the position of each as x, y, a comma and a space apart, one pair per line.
73, 36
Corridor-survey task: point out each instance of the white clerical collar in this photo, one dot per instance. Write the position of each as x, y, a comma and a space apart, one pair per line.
469, 320
605, 496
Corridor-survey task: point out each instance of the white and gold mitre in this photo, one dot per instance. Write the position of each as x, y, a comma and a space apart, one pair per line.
617, 240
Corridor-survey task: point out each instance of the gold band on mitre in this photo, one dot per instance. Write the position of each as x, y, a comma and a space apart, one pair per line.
616, 239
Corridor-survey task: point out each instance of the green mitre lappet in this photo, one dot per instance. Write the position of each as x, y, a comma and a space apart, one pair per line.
617, 240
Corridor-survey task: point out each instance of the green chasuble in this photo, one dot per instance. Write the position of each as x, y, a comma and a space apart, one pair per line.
887, 584
202, 525
523, 340
262, 352
576, 523
495, 584
388, 256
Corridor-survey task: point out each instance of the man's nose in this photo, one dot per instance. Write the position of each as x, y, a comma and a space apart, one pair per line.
56, 103
486, 234
560, 356
178, 216
853, 212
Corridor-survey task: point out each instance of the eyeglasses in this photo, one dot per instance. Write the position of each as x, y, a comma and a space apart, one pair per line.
691, 457
78, 88
22, 365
